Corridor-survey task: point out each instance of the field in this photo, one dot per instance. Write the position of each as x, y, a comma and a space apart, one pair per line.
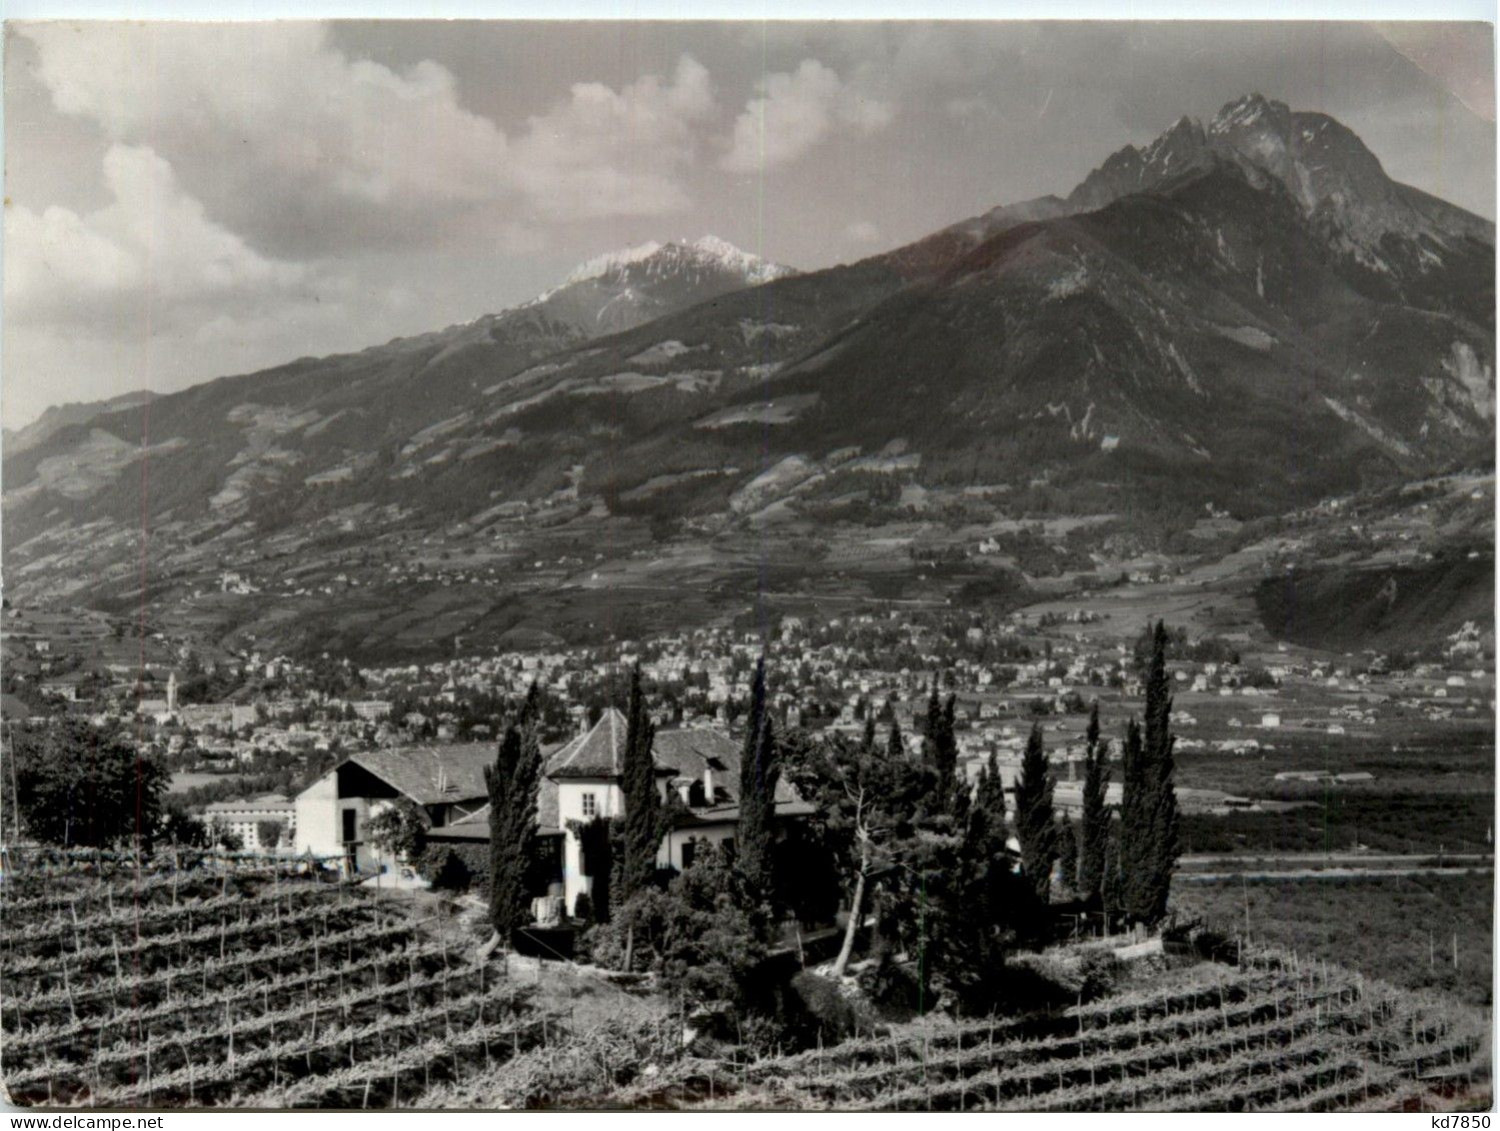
1277, 1033
237, 984
1398, 928
234, 982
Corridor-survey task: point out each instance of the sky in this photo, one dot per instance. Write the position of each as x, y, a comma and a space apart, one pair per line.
186, 201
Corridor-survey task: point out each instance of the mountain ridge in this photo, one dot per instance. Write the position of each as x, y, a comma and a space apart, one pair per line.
1248, 322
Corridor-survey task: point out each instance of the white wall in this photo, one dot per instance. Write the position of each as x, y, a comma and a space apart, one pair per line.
318, 818
611, 803
670, 854
320, 821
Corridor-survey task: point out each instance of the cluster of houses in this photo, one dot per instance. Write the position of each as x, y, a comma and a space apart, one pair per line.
583, 779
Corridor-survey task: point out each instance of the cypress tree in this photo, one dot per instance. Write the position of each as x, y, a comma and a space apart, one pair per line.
643, 831
512, 782
1131, 854
1159, 813
867, 742
759, 772
934, 720
1067, 853
981, 908
1094, 832
895, 746
1034, 824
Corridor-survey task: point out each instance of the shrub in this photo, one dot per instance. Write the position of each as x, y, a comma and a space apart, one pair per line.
445, 869
820, 1010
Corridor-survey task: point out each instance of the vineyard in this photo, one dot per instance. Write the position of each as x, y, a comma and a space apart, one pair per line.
266, 984
1274, 1035
236, 983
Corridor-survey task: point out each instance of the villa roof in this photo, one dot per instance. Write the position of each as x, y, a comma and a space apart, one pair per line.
431, 775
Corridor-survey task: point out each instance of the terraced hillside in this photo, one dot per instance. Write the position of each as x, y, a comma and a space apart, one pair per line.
234, 984
1276, 1034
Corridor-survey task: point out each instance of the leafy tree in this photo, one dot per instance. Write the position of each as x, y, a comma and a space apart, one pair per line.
268, 834
513, 782
713, 937
760, 770
1034, 824
78, 785
1094, 831
399, 830
180, 827
857, 793
225, 837
703, 934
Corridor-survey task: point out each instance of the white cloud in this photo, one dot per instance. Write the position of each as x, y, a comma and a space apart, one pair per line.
278, 98
607, 153
296, 145
152, 246
793, 112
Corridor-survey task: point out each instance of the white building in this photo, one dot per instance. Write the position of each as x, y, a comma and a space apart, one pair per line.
333, 812
244, 819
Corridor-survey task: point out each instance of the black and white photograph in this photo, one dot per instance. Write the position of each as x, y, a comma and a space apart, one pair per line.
747, 565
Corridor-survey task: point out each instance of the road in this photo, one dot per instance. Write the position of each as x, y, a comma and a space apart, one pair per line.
1330, 866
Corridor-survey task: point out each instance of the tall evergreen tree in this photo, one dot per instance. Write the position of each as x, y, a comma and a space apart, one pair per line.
643, 831
895, 746
1094, 831
513, 783
1160, 815
1034, 824
1067, 853
934, 721
1130, 851
981, 904
940, 750
867, 741
760, 770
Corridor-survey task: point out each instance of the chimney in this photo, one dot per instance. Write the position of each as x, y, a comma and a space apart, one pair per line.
708, 784
685, 789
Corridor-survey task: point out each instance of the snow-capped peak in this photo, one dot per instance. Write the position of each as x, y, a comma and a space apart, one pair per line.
705, 252
732, 258
610, 260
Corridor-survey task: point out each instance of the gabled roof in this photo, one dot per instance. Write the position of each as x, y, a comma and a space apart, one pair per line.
680, 753
597, 753
476, 826
431, 775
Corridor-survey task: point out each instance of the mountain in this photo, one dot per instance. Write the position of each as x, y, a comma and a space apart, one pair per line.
1391, 230
1246, 316
622, 289
60, 416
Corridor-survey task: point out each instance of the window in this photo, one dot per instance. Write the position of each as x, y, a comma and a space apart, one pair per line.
590, 805
351, 818
689, 850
